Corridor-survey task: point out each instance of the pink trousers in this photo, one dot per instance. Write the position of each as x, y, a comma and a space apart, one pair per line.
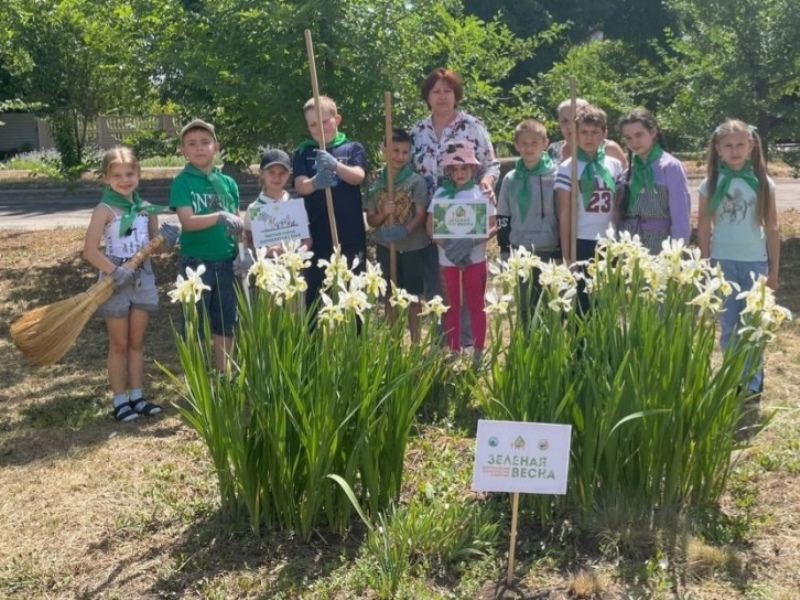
468, 283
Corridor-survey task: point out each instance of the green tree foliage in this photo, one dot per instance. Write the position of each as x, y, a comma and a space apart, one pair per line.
244, 65
608, 73
635, 22
735, 58
73, 58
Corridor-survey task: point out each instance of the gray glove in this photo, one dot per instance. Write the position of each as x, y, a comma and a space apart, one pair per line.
122, 277
457, 251
232, 222
324, 179
170, 231
325, 161
394, 233
242, 264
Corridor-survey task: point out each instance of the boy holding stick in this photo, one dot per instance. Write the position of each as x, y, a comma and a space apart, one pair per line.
597, 174
408, 213
330, 161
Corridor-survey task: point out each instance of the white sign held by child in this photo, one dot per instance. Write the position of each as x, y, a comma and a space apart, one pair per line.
532, 458
276, 222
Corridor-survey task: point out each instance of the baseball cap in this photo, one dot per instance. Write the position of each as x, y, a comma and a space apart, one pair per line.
275, 156
199, 124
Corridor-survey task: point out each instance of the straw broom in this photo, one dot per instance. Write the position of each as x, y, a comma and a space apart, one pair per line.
45, 334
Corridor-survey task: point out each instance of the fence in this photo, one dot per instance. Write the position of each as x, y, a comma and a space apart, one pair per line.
24, 131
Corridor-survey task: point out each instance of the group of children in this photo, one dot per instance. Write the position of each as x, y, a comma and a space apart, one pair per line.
533, 209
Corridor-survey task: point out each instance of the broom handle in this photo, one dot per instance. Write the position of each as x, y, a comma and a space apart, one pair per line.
138, 258
573, 146
315, 89
387, 108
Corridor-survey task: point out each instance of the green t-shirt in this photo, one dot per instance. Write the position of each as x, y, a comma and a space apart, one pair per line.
212, 243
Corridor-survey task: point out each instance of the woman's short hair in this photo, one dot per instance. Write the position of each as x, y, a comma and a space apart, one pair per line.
451, 78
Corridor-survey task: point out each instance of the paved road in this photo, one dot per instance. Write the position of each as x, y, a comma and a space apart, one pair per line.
23, 209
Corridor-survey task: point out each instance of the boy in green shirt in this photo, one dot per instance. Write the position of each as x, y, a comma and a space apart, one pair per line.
207, 204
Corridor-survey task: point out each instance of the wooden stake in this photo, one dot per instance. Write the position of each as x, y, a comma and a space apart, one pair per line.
573, 146
315, 89
513, 543
387, 109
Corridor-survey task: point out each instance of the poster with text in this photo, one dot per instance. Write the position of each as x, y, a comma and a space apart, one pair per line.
276, 222
461, 219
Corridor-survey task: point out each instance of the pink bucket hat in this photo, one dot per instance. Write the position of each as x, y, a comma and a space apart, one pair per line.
459, 154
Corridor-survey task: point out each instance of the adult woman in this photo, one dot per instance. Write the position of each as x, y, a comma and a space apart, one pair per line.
442, 91
560, 151
657, 204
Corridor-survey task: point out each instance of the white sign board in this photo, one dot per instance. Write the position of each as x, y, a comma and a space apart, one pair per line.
532, 458
276, 222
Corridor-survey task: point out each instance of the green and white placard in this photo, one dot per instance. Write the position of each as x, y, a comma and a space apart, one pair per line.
461, 219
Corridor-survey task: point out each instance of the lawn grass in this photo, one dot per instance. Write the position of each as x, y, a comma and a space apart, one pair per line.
93, 509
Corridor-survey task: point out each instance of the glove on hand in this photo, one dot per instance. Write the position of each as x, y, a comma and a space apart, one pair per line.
325, 161
170, 231
394, 233
457, 251
242, 264
324, 179
232, 222
122, 277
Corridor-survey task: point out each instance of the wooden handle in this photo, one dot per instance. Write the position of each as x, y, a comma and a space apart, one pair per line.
573, 145
387, 109
312, 66
138, 258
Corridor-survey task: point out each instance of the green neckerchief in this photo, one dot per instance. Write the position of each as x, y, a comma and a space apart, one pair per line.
642, 176
544, 166
215, 179
381, 183
594, 166
130, 208
450, 189
337, 140
727, 175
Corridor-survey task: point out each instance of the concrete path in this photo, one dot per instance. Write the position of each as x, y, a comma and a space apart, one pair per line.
54, 207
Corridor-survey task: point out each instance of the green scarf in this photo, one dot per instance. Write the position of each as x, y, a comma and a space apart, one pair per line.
724, 183
450, 189
523, 173
337, 140
594, 167
642, 176
381, 183
130, 208
215, 179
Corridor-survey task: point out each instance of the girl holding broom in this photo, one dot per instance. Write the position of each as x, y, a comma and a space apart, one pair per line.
127, 224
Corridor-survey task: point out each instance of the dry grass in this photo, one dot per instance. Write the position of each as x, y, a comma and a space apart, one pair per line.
93, 509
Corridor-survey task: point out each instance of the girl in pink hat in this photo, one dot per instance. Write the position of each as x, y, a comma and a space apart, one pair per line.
459, 208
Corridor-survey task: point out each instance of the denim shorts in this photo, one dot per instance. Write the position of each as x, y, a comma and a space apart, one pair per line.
141, 294
219, 303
